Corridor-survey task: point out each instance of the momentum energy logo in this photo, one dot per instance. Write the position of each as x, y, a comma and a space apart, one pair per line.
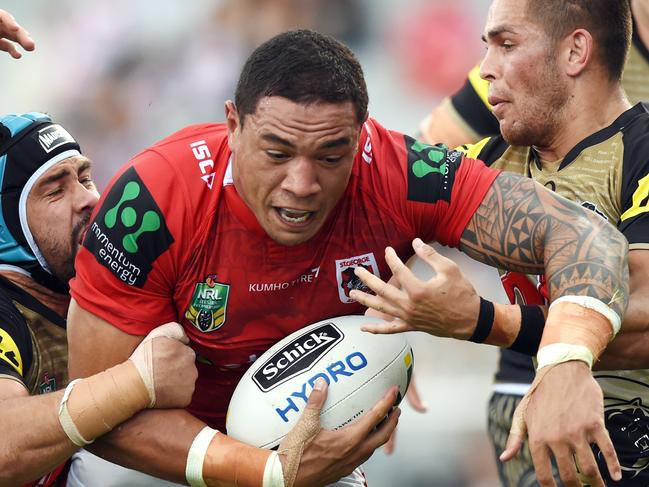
431, 171
298, 356
129, 233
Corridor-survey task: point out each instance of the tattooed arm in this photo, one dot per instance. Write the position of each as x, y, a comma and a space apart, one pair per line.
521, 226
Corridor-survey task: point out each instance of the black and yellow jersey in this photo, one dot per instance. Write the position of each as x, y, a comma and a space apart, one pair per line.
608, 173
33, 343
471, 110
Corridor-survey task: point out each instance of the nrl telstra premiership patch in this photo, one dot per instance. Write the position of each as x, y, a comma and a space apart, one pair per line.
208, 305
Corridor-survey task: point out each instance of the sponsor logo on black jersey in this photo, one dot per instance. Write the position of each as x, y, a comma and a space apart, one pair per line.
431, 171
298, 356
129, 233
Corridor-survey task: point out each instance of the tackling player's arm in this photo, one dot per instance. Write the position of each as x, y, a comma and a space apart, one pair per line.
524, 227
521, 226
34, 440
158, 442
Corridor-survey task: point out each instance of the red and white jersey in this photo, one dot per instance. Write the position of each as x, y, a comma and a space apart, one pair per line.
172, 240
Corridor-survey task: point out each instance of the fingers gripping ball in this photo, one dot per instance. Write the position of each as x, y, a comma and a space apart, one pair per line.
299, 437
142, 357
359, 368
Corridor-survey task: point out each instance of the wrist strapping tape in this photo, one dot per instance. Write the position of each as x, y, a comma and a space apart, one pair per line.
273, 473
66, 421
196, 457
557, 353
596, 305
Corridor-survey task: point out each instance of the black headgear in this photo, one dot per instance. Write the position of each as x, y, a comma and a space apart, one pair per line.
30, 144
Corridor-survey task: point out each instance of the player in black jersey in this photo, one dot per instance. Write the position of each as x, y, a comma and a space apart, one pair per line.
567, 124
46, 196
466, 117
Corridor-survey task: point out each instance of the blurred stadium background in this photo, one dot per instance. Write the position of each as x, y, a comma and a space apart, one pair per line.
121, 74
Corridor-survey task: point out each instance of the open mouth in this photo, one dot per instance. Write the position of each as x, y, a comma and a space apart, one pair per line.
295, 217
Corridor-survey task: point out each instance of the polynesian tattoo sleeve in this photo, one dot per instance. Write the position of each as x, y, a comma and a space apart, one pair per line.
521, 226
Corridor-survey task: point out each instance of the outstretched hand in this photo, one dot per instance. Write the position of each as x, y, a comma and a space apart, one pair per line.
446, 305
563, 414
12, 34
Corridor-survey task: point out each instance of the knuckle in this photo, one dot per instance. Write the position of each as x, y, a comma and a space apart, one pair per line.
409, 310
596, 425
544, 477
419, 295
590, 470
536, 443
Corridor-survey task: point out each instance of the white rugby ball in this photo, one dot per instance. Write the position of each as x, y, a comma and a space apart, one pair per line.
358, 366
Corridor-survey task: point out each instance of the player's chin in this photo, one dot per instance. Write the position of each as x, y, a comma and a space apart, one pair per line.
292, 238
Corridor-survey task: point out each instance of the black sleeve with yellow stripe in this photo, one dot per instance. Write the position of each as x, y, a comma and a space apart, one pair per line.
487, 150
634, 194
15, 341
471, 105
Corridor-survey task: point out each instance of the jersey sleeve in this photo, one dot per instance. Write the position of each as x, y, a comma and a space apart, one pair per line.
634, 197
125, 269
433, 189
15, 342
470, 105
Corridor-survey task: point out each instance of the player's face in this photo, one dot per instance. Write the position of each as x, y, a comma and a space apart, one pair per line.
292, 162
527, 89
58, 211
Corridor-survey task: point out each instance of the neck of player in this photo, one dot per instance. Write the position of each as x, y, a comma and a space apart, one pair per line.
584, 114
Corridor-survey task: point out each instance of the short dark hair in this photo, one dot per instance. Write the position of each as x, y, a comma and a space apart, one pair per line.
303, 66
608, 21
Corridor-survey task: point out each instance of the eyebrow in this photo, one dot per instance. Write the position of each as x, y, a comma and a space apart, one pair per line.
57, 176
342, 141
496, 31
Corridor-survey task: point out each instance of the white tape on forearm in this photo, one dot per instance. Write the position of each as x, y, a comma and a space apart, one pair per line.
558, 353
66, 421
273, 473
196, 457
596, 305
